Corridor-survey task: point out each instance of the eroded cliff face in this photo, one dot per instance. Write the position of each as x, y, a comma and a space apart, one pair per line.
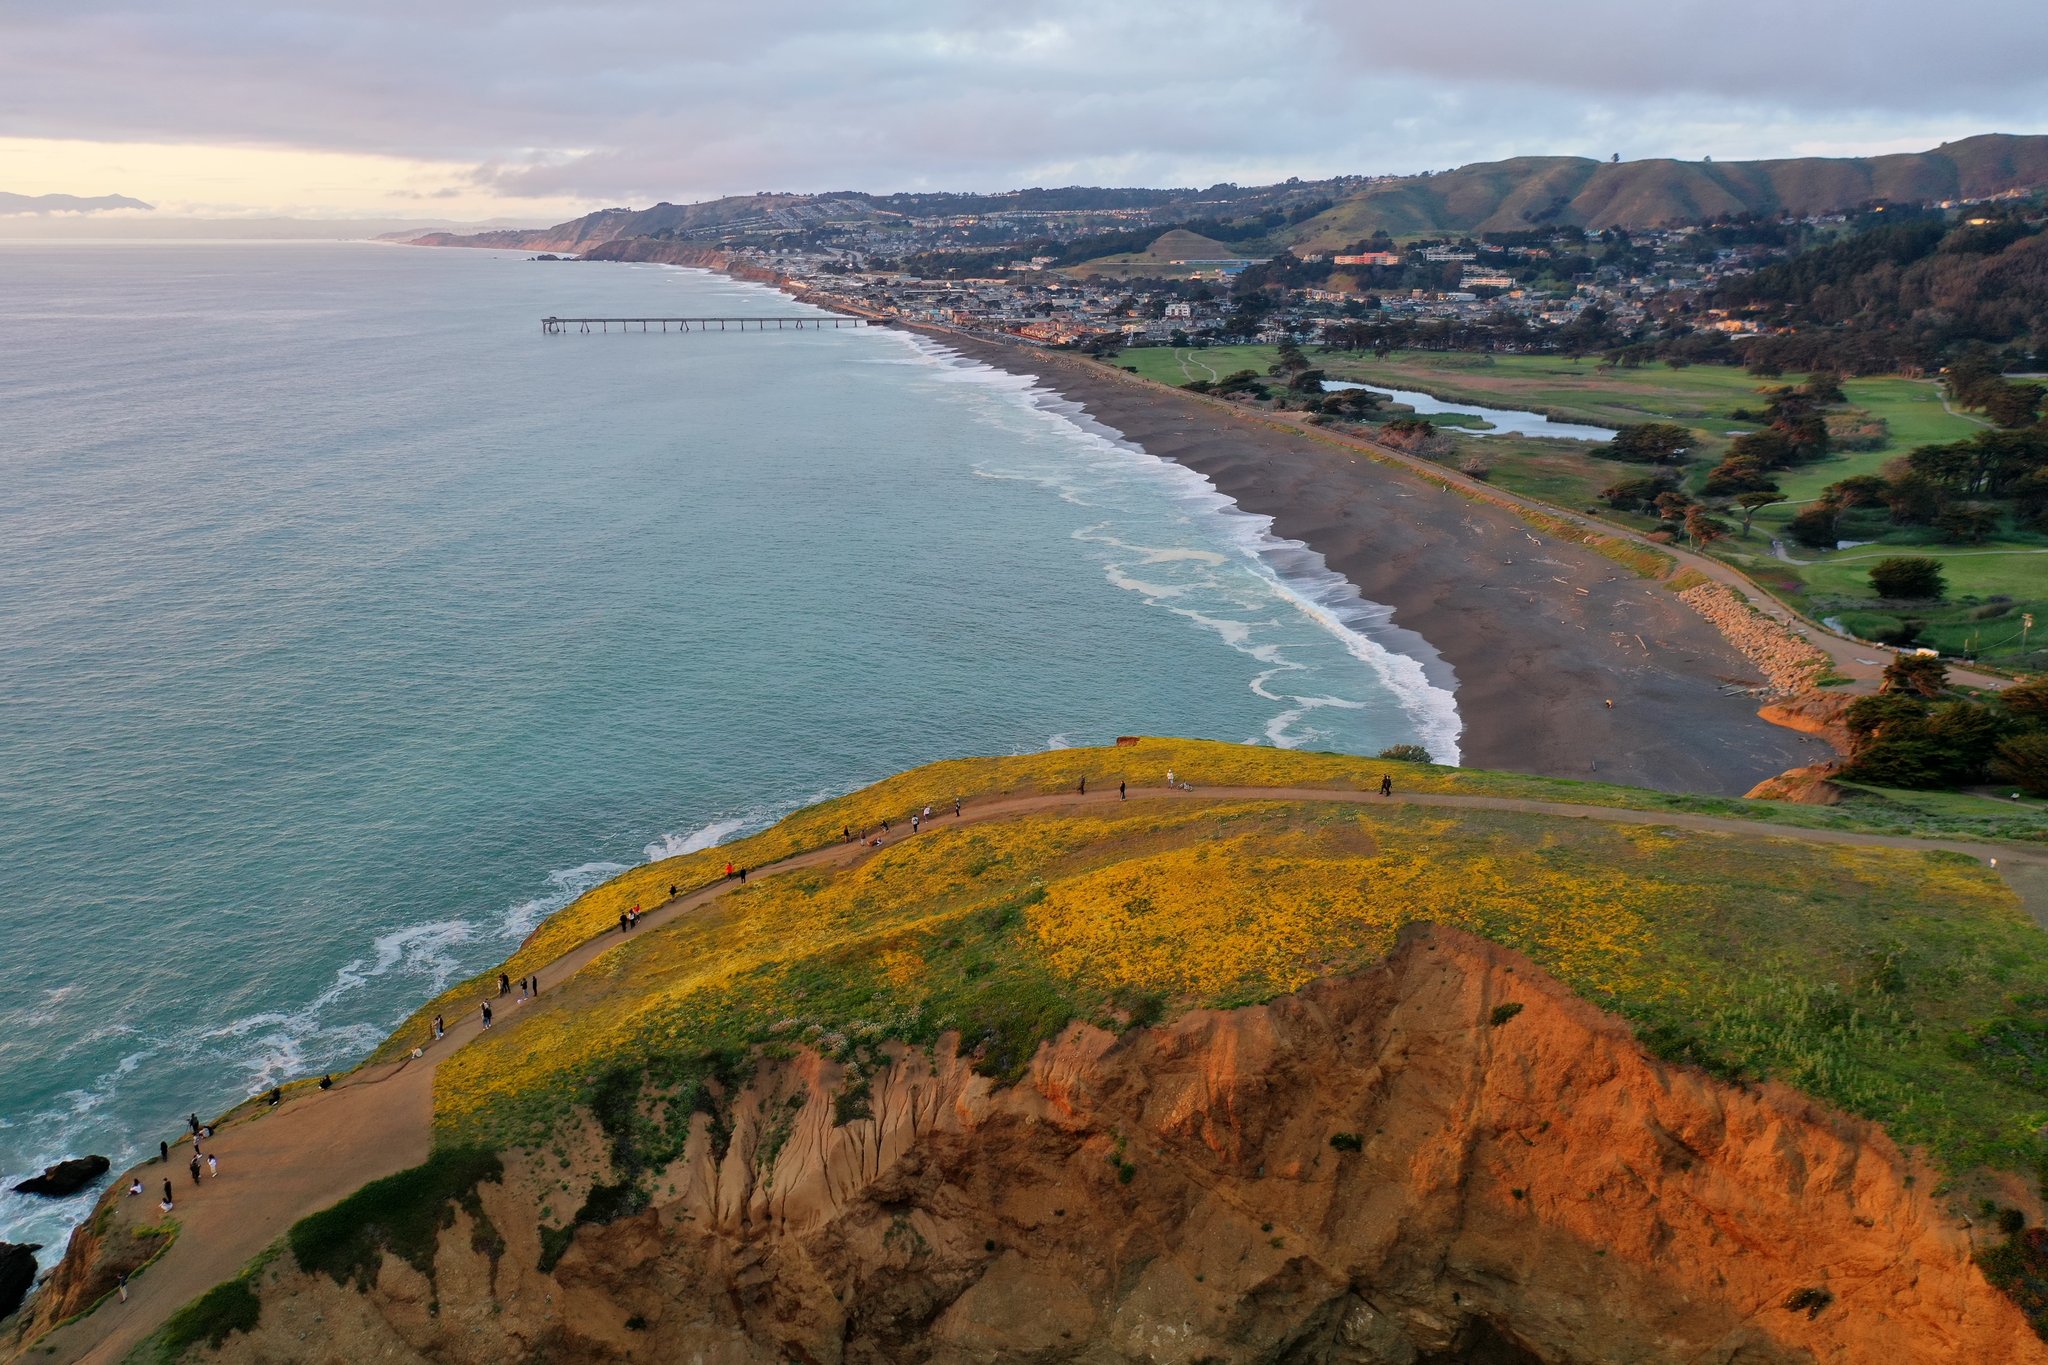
1395, 1167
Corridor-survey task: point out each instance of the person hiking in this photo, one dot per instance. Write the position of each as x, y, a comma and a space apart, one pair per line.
194, 1121
1123, 791
536, 985
743, 876
1084, 786
168, 1203
505, 983
122, 1283
914, 822
213, 1165
164, 1152
927, 814
846, 831
956, 808
195, 1170
728, 871
1386, 786
1169, 778
622, 922
487, 1014
440, 1028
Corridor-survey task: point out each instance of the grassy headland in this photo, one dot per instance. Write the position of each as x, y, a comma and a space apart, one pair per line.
1904, 985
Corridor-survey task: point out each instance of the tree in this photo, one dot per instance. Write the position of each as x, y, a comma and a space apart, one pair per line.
2023, 761
2028, 699
1914, 499
1406, 753
1908, 577
1968, 522
1635, 495
1307, 381
1824, 387
1856, 491
1814, 527
1648, 443
1671, 505
1738, 475
1702, 529
1915, 675
1754, 501
2009, 404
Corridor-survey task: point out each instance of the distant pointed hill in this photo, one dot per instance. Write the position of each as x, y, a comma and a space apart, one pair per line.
66, 203
1529, 192
1488, 196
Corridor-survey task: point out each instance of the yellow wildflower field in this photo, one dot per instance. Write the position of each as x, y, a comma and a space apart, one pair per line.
1883, 979
976, 781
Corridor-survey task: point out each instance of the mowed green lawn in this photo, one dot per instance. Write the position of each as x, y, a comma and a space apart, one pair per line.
1700, 397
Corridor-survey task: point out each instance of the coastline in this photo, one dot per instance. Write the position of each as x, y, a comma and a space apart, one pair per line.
1540, 632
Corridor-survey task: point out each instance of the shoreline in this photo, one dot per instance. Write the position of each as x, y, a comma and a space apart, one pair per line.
1539, 632
1420, 682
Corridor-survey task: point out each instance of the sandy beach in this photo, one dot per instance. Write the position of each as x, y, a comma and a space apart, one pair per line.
1541, 633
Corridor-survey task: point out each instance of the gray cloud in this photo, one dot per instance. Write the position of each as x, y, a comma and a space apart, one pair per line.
624, 100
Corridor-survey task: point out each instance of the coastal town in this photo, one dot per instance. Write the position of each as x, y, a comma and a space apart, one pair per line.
1560, 290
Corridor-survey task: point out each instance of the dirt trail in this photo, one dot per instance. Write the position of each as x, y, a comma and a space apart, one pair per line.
316, 1148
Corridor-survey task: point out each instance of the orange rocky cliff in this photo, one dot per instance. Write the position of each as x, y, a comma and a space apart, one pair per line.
1446, 1158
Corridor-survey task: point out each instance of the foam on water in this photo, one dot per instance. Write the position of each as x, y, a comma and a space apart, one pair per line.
1254, 596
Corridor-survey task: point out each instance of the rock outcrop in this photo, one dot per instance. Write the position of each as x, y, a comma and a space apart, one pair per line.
1809, 786
66, 1177
17, 1274
1447, 1158
1815, 712
101, 1250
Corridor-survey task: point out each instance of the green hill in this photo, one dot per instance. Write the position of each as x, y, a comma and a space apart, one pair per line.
1525, 192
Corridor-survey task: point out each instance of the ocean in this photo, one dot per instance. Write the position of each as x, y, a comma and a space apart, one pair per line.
349, 626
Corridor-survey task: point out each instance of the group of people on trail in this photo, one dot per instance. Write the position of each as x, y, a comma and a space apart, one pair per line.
875, 838
202, 1162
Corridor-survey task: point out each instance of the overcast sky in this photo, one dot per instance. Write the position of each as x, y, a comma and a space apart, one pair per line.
473, 108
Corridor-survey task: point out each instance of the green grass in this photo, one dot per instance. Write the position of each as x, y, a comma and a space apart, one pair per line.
211, 1318
402, 1214
1567, 474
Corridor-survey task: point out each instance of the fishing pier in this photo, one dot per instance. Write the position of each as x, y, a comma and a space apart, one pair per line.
554, 326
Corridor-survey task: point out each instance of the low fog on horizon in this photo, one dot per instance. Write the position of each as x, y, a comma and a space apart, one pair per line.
531, 113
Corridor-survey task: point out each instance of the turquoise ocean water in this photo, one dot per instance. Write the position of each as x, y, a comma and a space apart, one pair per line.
348, 626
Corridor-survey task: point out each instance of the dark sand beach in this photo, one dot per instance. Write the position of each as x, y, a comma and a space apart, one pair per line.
1542, 633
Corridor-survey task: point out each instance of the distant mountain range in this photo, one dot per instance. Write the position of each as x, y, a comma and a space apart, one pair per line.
1491, 196
66, 203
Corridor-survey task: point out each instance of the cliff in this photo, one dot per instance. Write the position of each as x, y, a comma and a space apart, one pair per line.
1447, 1157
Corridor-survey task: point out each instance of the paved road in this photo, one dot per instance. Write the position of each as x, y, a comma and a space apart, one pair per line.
278, 1166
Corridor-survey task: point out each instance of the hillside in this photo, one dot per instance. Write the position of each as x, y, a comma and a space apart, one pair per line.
1900, 294
1277, 1060
1487, 196
1532, 191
